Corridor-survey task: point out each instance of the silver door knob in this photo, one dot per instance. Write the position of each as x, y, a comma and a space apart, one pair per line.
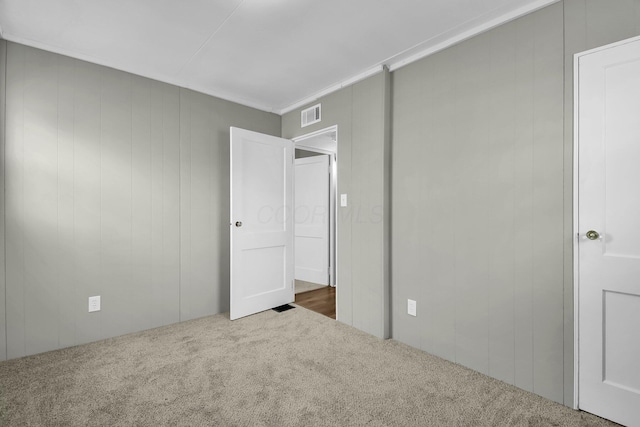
592, 235
238, 223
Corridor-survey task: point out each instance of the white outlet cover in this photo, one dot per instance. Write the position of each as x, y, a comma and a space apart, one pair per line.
343, 200
94, 303
411, 307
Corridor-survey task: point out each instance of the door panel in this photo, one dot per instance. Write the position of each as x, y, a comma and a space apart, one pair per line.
622, 346
261, 222
609, 203
621, 153
312, 219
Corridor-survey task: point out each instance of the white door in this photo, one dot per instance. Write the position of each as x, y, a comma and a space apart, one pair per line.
312, 219
609, 232
261, 222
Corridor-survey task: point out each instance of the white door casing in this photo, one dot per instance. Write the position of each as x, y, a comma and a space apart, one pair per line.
325, 141
608, 264
312, 219
262, 222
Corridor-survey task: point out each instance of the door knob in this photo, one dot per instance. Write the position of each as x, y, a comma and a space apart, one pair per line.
592, 235
238, 223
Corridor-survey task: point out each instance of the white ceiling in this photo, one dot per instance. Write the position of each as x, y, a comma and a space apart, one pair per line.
269, 54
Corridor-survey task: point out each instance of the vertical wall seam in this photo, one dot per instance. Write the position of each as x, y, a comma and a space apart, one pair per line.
179, 205
4, 192
73, 197
163, 186
151, 269
533, 270
388, 134
24, 308
58, 187
131, 81
100, 279
564, 198
386, 182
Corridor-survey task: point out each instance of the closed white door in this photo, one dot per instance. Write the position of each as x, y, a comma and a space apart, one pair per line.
312, 219
609, 232
262, 223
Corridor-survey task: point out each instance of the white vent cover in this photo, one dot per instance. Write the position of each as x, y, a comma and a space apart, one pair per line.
310, 116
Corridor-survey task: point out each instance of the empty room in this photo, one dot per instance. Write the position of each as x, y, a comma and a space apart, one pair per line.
336, 213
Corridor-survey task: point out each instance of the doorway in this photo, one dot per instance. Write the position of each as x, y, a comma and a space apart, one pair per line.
607, 230
315, 221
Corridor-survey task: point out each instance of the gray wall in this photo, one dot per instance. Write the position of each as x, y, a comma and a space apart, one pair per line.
204, 197
361, 112
482, 197
3, 336
588, 24
483, 194
478, 203
118, 186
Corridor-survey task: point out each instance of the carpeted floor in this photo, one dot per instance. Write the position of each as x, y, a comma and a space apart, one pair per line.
295, 368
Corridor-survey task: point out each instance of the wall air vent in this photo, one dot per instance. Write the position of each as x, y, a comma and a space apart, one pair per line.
310, 116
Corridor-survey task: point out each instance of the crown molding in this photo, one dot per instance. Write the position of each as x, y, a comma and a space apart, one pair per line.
142, 73
440, 42
435, 44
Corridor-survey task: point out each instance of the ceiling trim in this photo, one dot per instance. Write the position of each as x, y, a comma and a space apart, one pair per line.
426, 48
333, 88
420, 51
455, 36
130, 70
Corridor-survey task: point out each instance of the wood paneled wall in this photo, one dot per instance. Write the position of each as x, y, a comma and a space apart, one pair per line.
116, 185
3, 69
362, 113
477, 202
588, 24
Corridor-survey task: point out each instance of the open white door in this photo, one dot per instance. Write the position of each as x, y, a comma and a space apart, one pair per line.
608, 131
262, 222
312, 219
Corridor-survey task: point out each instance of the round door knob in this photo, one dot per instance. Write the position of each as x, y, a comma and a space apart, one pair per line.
592, 235
238, 223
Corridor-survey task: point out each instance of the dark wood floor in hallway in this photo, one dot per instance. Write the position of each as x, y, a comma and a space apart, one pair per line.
321, 301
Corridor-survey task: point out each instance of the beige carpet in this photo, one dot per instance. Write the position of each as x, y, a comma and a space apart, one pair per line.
302, 286
295, 368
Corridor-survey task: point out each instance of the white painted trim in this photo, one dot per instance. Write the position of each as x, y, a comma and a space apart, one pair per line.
425, 49
604, 47
298, 142
395, 62
576, 249
333, 88
576, 225
313, 134
450, 38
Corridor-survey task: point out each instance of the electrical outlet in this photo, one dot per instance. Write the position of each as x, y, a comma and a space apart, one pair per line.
343, 200
94, 303
411, 307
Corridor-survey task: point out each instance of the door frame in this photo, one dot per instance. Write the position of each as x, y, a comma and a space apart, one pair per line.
304, 142
576, 230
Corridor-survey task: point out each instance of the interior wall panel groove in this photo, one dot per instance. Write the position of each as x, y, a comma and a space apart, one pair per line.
465, 157
477, 169
3, 99
104, 197
362, 114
